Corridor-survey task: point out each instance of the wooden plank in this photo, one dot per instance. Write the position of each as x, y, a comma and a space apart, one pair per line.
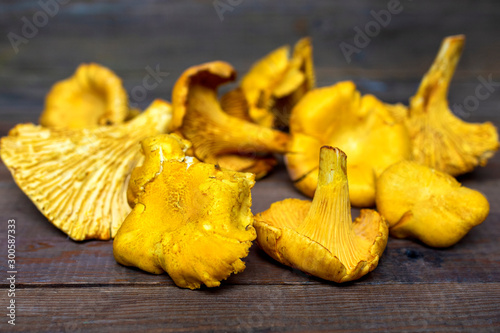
246, 32
444, 307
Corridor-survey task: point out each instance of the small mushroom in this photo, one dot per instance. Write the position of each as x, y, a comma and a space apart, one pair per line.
92, 97
427, 204
359, 125
78, 178
191, 219
439, 139
319, 237
276, 83
217, 137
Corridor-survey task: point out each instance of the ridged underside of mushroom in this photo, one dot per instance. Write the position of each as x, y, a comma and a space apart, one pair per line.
319, 237
454, 146
78, 178
439, 139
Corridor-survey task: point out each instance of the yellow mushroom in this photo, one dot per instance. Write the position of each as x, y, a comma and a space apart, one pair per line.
427, 204
92, 97
276, 83
217, 137
319, 237
78, 178
190, 219
439, 139
359, 125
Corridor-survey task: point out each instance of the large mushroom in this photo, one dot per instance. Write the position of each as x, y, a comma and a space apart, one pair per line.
276, 83
78, 177
427, 204
216, 136
359, 125
439, 139
319, 237
190, 219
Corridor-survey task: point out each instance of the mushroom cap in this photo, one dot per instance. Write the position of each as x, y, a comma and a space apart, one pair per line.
216, 136
439, 139
427, 204
257, 85
78, 178
360, 125
191, 220
212, 74
92, 97
276, 83
298, 79
319, 237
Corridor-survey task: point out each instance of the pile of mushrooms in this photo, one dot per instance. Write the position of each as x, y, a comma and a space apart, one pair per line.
172, 184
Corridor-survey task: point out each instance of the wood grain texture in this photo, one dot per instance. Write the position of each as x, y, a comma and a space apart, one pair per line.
65, 286
448, 307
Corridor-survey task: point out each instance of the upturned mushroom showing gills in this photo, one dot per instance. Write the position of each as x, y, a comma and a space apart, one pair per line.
190, 219
78, 178
439, 139
319, 237
427, 204
276, 83
359, 125
92, 97
217, 137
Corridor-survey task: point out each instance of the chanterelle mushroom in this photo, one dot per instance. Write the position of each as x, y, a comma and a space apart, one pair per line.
427, 204
78, 178
93, 96
190, 219
359, 125
439, 139
319, 237
276, 83
216, 136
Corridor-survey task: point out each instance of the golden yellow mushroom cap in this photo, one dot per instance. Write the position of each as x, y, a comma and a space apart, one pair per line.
319, 237
78, 178
93, 96
439, 139
257, 85
191, 219
427, 204
216, 136
276, 83
359, 125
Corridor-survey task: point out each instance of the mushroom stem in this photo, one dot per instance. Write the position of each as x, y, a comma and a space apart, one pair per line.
225, 134
435, 84
329, 220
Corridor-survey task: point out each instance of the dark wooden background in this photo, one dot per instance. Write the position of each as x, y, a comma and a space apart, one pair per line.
64, 286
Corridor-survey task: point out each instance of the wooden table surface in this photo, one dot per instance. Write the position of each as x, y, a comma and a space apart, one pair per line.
66, 286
